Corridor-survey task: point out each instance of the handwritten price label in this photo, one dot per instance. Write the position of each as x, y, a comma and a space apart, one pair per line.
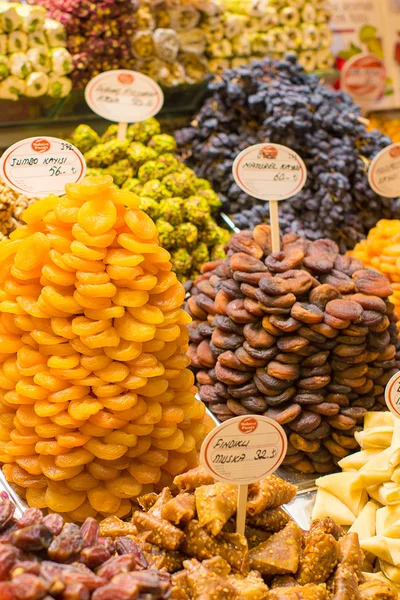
269, 171
384, 172
39, 166
392, 394
124, 96
243, 450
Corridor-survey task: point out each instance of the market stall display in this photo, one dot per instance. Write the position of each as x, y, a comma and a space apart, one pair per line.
244, 30
277, 102
381, 251
97, 404
33, 59
99, 34
305, 336
183, 206
366, 495
192, 535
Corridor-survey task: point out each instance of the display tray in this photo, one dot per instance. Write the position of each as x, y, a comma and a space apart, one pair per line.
178, 100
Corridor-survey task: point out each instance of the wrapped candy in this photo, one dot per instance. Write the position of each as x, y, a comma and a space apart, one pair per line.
61, 61
37, 39
308, 13
166, 44
234, 25
184, 18
192, 42
289, 16
195, 67
39, 60
269, 19
17, 42
12, 88
20, 65
294, 38
59, 87
310, 35
9, 18
37, 84
143, 45
3, 43
222, 49
4, 67
308, 60
32, 17
324, 59
325, 36
55, 33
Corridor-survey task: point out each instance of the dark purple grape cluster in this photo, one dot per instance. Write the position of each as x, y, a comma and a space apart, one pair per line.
276, 101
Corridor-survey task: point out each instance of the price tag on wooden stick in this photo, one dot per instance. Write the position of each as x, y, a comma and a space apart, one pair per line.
392, 394
39, 166
125, 97
241, 451
270, 172
384, 172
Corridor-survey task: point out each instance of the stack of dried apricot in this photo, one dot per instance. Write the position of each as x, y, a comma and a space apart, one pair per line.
96, 402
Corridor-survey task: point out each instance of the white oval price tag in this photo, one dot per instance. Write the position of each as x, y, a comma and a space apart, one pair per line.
269, 171
124, 96
243, 450
384, 172
392, 394
39, 166
363, 77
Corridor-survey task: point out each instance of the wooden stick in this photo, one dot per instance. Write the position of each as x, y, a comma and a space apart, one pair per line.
241, 509
122, 129
274, 220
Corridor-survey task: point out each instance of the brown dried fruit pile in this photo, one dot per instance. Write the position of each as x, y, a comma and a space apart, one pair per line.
305, 336
43, 557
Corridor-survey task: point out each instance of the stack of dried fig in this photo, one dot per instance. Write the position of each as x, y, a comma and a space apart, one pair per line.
305, 336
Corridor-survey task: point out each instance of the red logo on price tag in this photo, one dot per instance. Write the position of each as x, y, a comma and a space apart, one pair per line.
40, 145
126, 78
248, 425
395, 151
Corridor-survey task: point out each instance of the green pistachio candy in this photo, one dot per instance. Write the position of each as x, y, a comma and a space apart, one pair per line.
212, 234
120, 171
181, 261
186, 235
200, 255
95, 172
157, 169
218, 252
180, 184
165, 233
104, 155
155, 189
138, 154
130, 184
212, 198
84, 138
171, 210
150, 207
143, 131
162, 143
202, 184
110, 133
197, 210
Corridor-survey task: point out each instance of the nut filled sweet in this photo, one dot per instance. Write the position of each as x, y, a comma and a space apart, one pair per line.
96, 401
305, 336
